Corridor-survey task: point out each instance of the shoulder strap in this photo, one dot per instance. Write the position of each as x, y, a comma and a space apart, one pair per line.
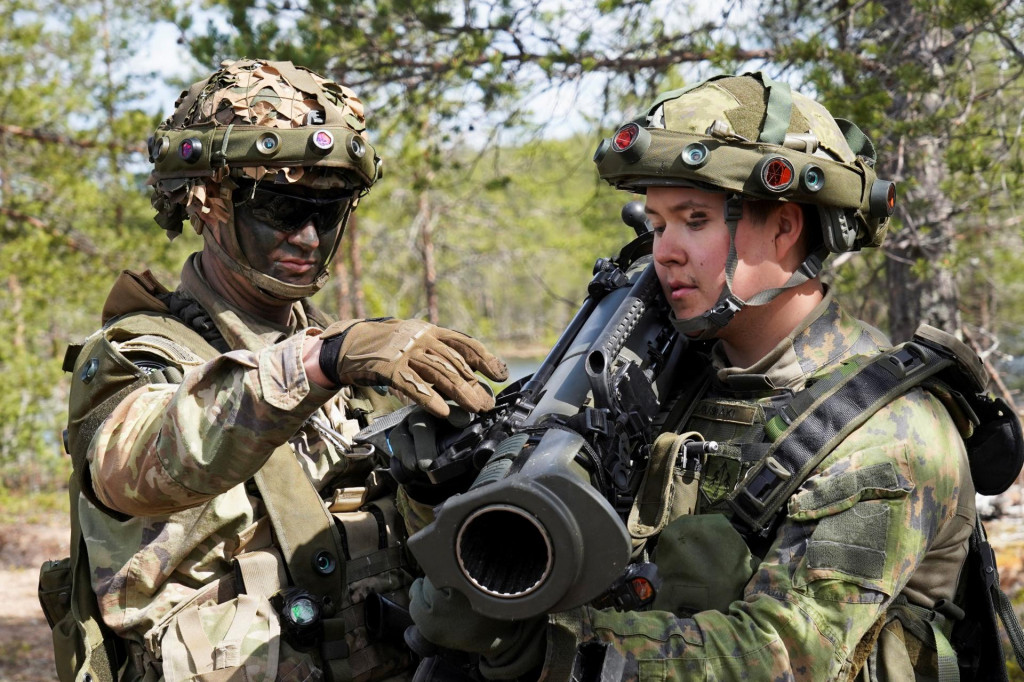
819, 418
310, 544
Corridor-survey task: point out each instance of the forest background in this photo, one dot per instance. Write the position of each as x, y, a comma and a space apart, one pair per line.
490, 214
487, 113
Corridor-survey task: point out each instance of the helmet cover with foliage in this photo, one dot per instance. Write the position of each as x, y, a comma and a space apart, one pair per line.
257, 122
751, 137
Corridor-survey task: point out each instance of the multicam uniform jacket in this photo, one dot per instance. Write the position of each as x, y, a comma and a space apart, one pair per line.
170, 508
885, 516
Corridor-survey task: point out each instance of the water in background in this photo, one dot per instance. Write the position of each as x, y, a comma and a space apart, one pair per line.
520, 367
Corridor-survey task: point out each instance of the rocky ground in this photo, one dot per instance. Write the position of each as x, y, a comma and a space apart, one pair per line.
26, 541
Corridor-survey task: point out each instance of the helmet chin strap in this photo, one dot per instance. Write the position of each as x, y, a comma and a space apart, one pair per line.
712, 321
266, 284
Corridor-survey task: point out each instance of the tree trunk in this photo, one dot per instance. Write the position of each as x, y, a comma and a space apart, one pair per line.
426, 218
343, 296
17, 301
355, 260
921, 283
922, 286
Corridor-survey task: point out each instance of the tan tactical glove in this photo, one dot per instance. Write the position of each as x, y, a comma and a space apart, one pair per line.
425, 362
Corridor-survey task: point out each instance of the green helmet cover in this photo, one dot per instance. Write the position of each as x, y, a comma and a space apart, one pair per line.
753, 137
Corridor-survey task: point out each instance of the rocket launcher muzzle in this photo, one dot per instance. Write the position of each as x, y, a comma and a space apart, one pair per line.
531, 536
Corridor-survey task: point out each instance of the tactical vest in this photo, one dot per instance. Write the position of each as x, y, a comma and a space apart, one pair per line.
339, 550
773, 446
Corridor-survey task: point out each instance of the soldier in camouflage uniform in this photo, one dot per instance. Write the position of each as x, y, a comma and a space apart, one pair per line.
748, 186
233, 527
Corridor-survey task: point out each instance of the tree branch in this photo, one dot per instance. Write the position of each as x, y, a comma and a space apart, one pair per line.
57, 138
76, 240
618, 64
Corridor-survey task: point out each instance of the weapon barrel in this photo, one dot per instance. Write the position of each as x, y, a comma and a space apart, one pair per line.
554, 356
615, 336
504, 551
568, 385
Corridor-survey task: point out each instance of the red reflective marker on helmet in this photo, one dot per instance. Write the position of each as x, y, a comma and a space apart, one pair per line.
626, 136
777, 173
631, 141
191, 149
882, 198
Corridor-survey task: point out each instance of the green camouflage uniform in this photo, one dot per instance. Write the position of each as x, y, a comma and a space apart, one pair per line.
171, 464
887, 514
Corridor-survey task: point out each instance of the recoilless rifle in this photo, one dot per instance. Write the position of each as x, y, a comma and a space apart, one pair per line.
556, 464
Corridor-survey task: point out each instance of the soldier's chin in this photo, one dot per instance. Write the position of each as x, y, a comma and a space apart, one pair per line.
290, 274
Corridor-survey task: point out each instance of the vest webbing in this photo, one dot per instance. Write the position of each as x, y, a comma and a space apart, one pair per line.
818, 419
944, 653
302, 525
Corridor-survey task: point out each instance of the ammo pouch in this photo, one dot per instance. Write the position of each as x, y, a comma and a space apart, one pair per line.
666, 507
220, 636
912, 644
704, 564
55, 590
373, 540
208, 639
670, 487
80, 639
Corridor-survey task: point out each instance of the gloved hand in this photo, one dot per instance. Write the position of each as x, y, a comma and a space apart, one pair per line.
509, 648
425, 362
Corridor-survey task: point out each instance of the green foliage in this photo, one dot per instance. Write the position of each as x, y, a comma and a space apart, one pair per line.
71, 209
17, 506
456, 97
513, 254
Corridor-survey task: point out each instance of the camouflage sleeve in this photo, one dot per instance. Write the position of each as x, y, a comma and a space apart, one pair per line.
167, 447
852, 537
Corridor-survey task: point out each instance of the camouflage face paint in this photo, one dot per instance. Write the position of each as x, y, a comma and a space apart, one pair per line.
287, 237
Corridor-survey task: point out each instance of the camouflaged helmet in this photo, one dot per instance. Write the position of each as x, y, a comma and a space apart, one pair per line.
754, 137
751, 137
257, 121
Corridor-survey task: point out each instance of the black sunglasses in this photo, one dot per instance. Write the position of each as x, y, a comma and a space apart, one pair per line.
286, 212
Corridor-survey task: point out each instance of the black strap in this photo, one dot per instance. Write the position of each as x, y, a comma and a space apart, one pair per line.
195, 317
818, 419
694, 373
330, 350
1001, 604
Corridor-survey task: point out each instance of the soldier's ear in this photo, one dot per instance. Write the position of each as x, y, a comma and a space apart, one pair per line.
788, 228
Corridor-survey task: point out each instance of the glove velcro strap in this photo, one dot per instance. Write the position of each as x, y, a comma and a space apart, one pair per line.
330, 350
